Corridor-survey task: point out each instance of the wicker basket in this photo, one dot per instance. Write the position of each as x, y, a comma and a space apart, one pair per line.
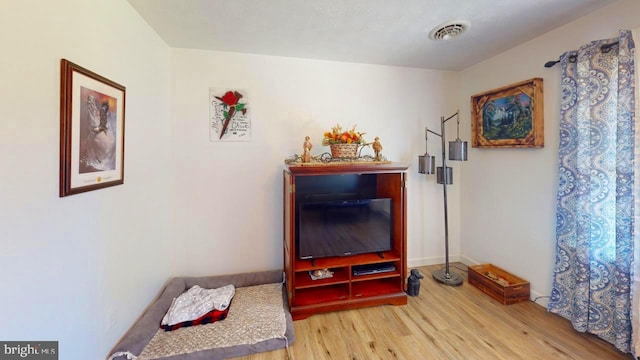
344, 150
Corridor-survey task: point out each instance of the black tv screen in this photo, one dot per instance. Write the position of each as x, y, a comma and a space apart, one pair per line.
344, 227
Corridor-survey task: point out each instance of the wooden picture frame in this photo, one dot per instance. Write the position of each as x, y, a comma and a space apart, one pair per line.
511, 116
92, 110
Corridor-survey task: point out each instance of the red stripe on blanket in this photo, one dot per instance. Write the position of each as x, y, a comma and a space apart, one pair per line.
208, 318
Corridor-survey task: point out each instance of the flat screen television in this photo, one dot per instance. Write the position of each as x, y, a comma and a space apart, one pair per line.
344, 227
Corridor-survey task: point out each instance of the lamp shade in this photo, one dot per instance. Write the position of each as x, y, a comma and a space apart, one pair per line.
439, 175
426, 164
458, 150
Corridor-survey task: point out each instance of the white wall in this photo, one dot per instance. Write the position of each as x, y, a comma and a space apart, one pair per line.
80, 269
508, 205
229, 194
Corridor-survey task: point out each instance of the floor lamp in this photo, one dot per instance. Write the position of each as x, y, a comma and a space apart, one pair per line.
426, 165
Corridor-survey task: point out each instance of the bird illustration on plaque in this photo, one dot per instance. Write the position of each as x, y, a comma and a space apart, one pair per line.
229, 115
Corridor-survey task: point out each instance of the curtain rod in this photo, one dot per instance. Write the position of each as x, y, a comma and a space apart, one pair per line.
604, 48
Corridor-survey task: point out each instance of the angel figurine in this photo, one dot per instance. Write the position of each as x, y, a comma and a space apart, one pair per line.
306, 155
377, 147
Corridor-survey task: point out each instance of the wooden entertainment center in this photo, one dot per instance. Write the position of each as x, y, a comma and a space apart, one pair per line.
345, 290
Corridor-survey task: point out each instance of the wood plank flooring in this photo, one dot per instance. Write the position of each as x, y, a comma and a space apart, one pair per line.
442, 323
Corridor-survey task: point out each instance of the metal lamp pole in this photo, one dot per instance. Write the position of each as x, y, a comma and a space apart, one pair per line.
457, 151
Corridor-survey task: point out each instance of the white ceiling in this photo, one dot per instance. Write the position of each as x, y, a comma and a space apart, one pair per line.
386, 32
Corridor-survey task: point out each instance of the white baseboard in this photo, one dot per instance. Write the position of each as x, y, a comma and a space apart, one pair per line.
412, 263
468, 261
542, 302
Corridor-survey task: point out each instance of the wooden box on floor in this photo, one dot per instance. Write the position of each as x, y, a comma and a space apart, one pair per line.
516, 291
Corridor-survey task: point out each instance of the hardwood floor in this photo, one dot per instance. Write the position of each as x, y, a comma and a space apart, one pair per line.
443, 323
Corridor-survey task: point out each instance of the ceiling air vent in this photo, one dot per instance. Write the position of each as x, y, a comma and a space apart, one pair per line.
448, 30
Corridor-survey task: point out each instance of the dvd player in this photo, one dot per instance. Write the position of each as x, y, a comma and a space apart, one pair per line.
372, 269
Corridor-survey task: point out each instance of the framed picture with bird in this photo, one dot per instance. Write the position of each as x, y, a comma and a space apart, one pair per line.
92, 110
229, 115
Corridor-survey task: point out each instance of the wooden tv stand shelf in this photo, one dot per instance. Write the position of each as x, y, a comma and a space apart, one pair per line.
344, 290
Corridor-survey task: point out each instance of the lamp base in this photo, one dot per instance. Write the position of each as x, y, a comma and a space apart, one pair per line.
451, 279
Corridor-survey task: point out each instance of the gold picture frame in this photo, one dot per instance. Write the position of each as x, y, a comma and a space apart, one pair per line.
511, 116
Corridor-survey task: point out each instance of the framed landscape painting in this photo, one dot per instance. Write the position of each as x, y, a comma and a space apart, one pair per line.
91, 130
511, 116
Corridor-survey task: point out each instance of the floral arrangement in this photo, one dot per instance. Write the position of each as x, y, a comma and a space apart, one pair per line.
337, 136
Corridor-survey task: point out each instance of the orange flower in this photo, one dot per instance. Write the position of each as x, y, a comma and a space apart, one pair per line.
337, 136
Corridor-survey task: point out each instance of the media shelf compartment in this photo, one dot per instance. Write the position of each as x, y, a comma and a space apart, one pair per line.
344, 261
375, 287
321, 295
391, 274
304, 280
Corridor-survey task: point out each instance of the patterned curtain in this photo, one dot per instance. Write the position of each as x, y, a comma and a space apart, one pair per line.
635, 285
595, 204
